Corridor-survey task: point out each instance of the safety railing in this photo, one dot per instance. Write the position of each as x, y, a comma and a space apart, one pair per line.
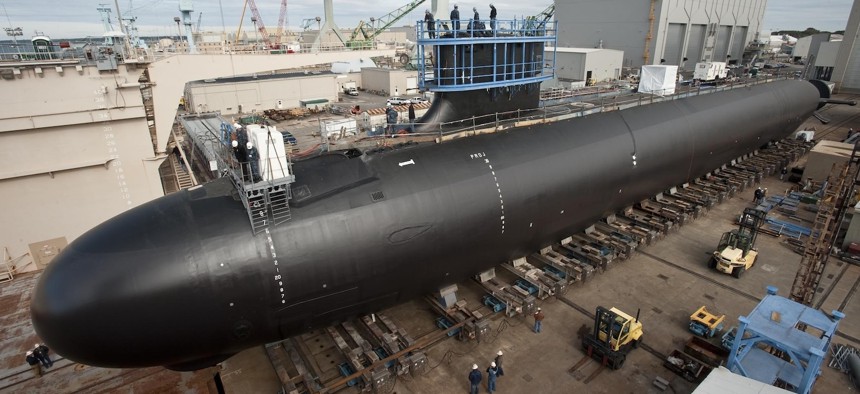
263, 182
519, 29
478, 55
597, 101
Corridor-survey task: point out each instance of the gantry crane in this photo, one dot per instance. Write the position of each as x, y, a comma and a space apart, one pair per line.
369, 31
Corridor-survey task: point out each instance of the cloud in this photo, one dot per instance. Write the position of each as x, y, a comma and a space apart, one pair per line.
79, 18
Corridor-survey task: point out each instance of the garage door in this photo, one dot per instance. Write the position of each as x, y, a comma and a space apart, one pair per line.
674, 43
695, 43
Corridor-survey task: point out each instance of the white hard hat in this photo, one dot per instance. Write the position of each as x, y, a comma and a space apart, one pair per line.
500, 352
29, 352
388, 104
474, 366
474, 8
235, 143
455, 6
538, 308
493, 364
36, 346
249, 145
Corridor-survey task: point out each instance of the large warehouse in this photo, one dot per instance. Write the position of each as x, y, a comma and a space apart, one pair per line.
661, 31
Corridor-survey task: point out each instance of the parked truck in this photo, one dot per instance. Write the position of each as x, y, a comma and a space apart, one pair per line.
710, 71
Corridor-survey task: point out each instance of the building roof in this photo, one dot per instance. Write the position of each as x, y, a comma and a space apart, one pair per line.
721, 380
579, 50
260, 77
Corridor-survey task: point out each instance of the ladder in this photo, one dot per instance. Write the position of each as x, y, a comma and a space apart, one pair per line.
817, 248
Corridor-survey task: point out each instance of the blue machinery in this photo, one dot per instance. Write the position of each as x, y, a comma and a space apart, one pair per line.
466, 66
494, 303
782, 343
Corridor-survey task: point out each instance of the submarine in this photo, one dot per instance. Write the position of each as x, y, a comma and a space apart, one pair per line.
183, 282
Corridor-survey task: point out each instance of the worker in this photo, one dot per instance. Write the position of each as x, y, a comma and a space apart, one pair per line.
477, 17
538, 320
33, 361
499, 363
758, 195
493, 18
254, 161
41, 353
783, 172
474, 379
492, 373
411, 112
390, 117
431, 24
455, 19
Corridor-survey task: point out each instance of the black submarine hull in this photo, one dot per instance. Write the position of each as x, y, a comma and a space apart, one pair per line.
181, 281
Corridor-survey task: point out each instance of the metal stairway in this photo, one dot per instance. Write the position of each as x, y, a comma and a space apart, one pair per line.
183, 180
826, 224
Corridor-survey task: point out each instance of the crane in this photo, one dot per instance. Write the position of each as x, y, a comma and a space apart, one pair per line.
384, 22
199, 19
282, 16
537, 22
258, 21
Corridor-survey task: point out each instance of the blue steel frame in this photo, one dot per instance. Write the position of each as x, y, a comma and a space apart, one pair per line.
776, 323
504, 37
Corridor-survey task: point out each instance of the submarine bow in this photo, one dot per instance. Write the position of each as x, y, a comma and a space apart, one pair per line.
182, 281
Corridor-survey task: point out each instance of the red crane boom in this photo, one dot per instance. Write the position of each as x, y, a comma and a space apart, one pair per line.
281, 20
258, 21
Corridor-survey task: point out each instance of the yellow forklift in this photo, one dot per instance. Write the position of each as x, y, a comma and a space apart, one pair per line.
615, 333
736, 252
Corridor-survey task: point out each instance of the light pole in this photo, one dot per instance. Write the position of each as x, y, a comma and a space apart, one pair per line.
178, 29
256, 38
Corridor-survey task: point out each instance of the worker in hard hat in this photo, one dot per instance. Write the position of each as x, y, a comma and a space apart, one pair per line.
431, 24
499, 363
475, 379
254, 161
492, 374
538, 320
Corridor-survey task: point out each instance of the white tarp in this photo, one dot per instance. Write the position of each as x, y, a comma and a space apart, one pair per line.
270, 146
659, 80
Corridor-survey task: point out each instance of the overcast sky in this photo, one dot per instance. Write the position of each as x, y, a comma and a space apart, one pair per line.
79, 18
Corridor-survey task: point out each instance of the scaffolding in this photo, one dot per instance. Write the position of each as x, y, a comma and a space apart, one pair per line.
783, 343
264, 184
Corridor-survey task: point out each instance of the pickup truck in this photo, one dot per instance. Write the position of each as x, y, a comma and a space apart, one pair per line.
351, 91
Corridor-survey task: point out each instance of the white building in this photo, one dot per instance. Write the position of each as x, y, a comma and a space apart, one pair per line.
394, 81
846, 73
246, 94
661, 31
582, 64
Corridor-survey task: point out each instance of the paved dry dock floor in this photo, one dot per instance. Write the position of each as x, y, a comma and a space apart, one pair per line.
667, 281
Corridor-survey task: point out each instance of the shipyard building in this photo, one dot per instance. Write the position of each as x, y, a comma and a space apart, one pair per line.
662, 32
